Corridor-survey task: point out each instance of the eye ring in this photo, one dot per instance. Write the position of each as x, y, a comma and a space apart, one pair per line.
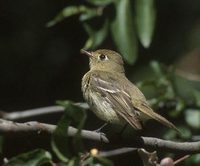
103, 57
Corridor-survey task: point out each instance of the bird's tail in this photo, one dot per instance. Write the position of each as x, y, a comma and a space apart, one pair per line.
145, 109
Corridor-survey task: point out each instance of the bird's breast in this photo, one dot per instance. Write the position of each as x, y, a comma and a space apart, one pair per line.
103, 109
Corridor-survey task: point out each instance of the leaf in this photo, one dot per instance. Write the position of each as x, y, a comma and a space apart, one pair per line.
74, 113
193, 160
163, 82
74, 162
145, 20
104, 161
196, 94
157, 68
67, 12
123, 32
170, 135
86, 13
100, 2
96, 37
37, 157
185, 132
180, 104
60, 141
91, 13
192, 117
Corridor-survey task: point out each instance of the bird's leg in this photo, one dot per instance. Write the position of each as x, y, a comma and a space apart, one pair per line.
100, 128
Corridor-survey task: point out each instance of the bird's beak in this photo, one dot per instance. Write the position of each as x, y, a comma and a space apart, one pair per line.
89, 54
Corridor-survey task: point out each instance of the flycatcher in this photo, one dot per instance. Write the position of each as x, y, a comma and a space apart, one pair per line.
111, 96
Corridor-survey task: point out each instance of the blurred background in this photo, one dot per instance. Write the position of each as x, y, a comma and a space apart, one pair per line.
40, 44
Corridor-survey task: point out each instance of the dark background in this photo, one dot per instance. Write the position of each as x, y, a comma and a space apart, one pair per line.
39, 65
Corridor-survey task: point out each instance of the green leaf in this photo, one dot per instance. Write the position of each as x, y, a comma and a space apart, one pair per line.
196, 94
123, 32
104, 161
60, 139
100, 2
91, 161
193, 160
170, 135
96, 37
185, 132
91, 13
192, 117
180, 104
74, 162
86, 13
74, 113
163, 82
37, 157
59, 143
67, 12
145, 20
156, 66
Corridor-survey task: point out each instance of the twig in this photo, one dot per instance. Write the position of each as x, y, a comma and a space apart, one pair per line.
18, 115
116, 152
181, 159
11, 128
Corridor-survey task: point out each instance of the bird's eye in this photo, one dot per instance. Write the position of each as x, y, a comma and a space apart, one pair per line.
103, 57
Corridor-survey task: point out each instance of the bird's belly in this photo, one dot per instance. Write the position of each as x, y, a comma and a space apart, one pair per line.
104, 110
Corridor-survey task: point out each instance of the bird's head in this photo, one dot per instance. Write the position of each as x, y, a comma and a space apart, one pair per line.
105, 60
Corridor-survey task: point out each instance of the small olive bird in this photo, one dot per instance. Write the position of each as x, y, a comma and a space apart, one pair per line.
111, 96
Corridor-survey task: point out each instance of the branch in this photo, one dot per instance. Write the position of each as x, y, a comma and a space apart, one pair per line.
11, 128
116, 152
18, 115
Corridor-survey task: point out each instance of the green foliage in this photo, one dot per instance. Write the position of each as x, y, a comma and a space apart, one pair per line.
69, 150
127, 21
85, 14
192, 117
196, 94
123, 31
100, 2
167, 98
145, 20
120, 20
95, 37
193, 160
101, 161
38, 157
162, 82
60, 138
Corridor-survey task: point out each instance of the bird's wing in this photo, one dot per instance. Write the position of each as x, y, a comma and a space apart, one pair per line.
115, 93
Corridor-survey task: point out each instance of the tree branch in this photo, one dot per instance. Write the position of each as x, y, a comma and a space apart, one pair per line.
18, 115
11, 128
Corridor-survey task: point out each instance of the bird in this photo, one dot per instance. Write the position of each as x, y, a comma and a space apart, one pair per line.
111, 96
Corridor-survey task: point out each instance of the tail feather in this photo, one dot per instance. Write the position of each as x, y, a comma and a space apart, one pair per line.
144, 108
